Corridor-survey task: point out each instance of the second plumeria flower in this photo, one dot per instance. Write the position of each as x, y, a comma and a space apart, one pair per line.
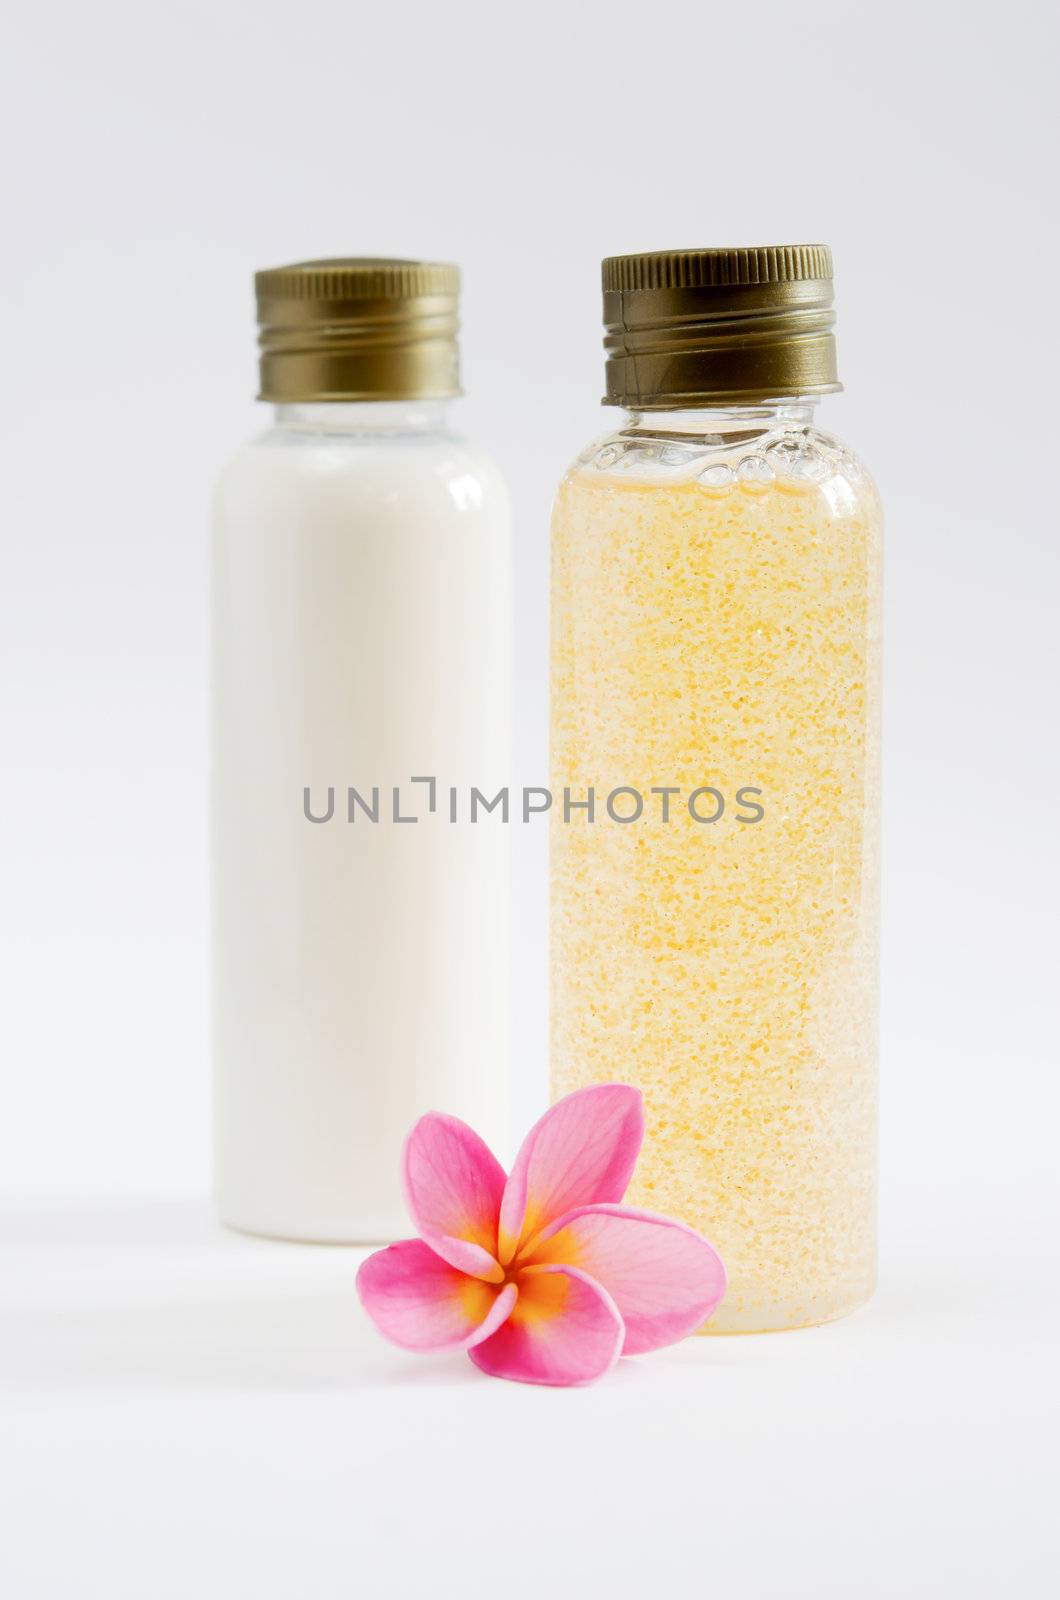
541, 1275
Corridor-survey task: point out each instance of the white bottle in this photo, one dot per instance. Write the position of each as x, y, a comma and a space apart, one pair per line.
360, 641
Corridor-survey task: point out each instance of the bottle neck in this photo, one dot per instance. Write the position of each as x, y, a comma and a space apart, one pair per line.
365, 417
724, 421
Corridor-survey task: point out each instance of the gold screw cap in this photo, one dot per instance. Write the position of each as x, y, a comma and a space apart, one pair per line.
694, 327
358, 328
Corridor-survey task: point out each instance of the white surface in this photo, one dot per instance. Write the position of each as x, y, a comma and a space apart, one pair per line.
188, 1412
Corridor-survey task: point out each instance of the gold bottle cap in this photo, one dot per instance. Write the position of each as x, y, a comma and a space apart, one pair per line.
358, 329
694, 327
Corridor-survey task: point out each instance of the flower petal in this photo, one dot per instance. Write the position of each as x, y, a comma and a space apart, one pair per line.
665, 1278
420, 1302
565, 1329
453, 1185
583, 1150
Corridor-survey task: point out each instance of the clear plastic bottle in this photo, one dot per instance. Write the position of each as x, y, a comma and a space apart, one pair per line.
715, 652
360, 641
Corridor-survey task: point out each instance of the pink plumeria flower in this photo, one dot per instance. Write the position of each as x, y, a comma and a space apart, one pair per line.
541, 1276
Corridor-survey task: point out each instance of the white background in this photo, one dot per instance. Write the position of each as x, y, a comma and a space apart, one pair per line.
190, 1413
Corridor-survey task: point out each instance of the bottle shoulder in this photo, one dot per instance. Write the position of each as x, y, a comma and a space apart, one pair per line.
416, 469
778, 453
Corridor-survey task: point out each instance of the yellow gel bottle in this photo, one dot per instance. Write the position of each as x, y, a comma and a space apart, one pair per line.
715, 772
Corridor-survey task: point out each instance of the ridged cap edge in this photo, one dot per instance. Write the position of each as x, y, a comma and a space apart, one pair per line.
367, 278
718, 268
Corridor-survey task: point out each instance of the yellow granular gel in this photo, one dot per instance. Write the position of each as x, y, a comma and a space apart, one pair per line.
726, 638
